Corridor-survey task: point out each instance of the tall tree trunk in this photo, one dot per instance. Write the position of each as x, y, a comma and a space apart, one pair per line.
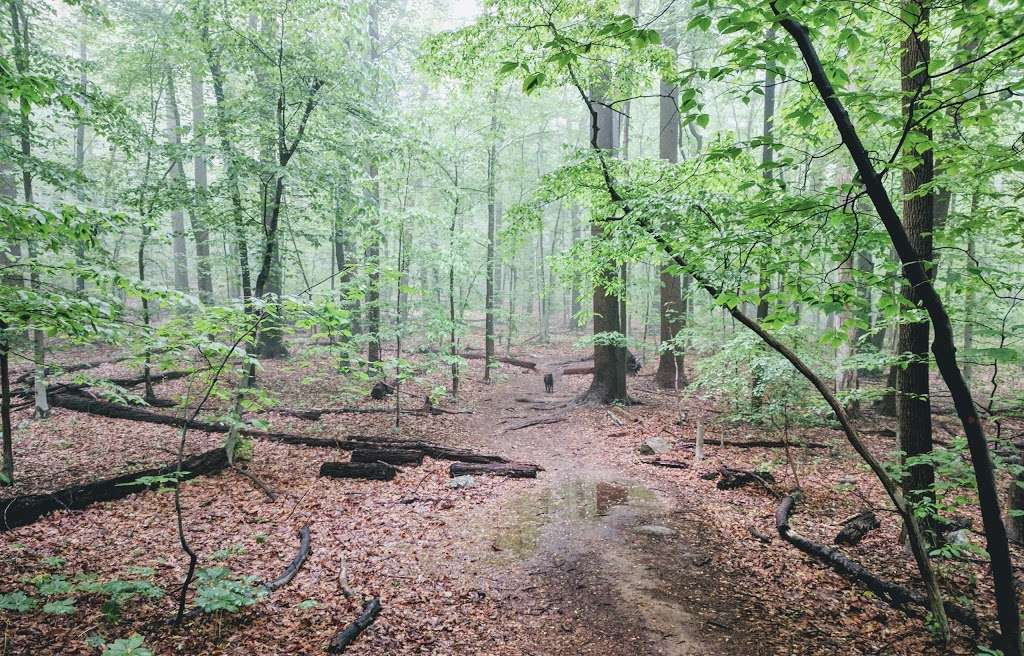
227, 149
179, 247
491, 225
7, 472
609, 382
671, 373
913, 405
197, 216
83, 81
22, 44
375, 233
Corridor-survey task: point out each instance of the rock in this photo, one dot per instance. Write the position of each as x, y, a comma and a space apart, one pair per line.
655, 446
655, 531
960, 536
462, 481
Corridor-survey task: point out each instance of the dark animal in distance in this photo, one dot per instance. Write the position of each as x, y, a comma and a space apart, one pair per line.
380, 390
549, 383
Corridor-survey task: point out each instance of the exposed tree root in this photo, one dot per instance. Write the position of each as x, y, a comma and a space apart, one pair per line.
340, 642
535, 422
895, 595
296, 564
26, 509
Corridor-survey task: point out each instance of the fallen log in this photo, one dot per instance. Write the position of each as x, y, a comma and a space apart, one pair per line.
658, 462
895, 595
855, 528
535, 422
57, 370
374, 471
735, 478
515, 362
341, 640
25, 509
350, 442
580, 370
293, 567
390, 456
761, 444
507, 469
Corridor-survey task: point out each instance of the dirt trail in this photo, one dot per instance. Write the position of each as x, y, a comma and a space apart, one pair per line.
604, 559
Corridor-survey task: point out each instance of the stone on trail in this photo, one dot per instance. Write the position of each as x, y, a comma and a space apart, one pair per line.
655, 531
462, 481
655, 446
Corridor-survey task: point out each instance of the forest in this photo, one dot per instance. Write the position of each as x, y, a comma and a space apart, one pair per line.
512, 327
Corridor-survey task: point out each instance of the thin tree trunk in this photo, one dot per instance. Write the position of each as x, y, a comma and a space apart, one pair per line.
200, 232
179, 247
7, 472
491, 235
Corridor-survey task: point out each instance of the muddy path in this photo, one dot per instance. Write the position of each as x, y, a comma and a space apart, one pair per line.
598, 556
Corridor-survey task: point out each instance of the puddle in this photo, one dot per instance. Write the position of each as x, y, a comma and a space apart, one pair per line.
576, 508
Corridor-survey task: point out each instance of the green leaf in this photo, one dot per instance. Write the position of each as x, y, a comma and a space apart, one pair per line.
533, 81
19, 602
508, 67
60, 607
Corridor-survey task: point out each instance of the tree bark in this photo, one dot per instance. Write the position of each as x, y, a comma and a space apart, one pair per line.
671, 373
200, 232
609, 382
179, 247
491, 223
913, 405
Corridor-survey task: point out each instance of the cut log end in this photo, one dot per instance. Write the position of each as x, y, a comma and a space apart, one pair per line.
374, 471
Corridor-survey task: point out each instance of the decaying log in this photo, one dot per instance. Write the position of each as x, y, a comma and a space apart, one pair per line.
374, 471
734, 478
114, 411
855, 528
341, 640
895, 595
293, 567
390, 456
580, 370
508, 469
25, 509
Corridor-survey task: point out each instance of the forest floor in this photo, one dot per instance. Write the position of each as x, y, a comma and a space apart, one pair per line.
601, 554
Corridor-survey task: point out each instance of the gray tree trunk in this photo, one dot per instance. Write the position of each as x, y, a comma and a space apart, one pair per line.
200, 232
179, 246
